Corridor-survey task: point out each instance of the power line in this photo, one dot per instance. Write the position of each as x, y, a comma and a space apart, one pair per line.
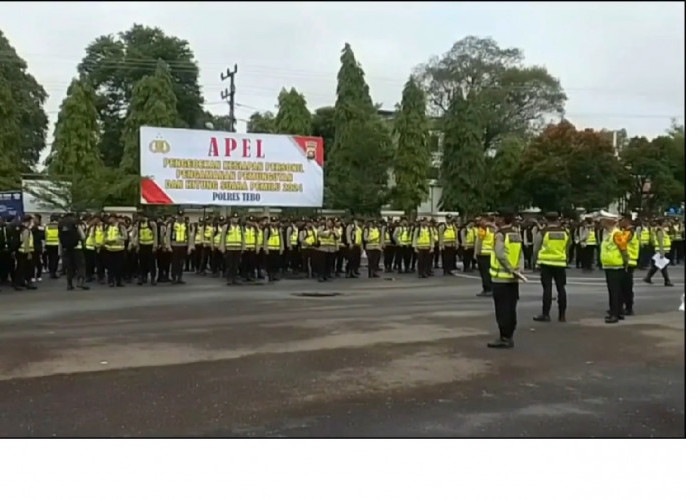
281, 73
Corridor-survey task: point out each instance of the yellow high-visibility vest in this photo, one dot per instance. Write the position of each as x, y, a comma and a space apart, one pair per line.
449, 235
179, 232
487, 242
553, 251
51, 235
273, 239
425, 238
610, 255
234, 238
513, 248
146, 236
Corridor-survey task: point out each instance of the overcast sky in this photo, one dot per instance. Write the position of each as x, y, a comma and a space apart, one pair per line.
621, 64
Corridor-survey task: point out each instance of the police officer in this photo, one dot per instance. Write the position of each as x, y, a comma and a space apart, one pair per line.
273, 246
72, 239
482, 249
551, 246
144, 240
631, 234
662, 246
614, 260
51, 242
422, 243
506, 267
179, 244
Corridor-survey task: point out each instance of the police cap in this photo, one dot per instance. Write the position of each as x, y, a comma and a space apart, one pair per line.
180, 212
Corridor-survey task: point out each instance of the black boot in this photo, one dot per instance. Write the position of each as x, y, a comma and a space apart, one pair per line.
562, 317
501, 343
542, 317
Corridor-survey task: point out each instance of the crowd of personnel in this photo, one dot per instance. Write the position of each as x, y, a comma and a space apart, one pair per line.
116, 250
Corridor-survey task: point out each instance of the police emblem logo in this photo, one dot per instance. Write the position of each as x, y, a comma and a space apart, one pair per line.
159, 146
311, 150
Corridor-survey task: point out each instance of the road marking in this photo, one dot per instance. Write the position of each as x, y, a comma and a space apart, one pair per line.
569, 281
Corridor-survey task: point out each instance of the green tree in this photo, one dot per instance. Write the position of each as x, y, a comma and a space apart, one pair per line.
323, 125
261, 123
362, 150
364, 153
651, 184
462, 171
154, 104
293, 117
676, 153
353, 101
510, 97
116, 63
29, 123
413, 159
10, 175
75, 170
564, 168
503, 170
217, 122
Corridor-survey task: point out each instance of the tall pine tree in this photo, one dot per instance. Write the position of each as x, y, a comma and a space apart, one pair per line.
153, 103
412, 161
74, 165
462, 170
358, 164
293, 117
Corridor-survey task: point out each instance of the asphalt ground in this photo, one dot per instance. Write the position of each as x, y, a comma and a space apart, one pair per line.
397, 357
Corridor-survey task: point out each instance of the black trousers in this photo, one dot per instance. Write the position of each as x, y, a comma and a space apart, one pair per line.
484, 262
628, 289
248, 264
407, 254
354, 259
5, 264
449, 260
147, 262
164, 259
272, 264
74, 264
179, 256
558, 275
196, 258
468, 261
52, 257
322, 264
614, 278
389, 255
217, 262
309, 264
664, 272
373, 258
114, 262
645, 255
233, 264
436, 256
37, 263
424, 259
677, 253
505, 302
340, 258
587, 254
204, 259
527, 256
23, 269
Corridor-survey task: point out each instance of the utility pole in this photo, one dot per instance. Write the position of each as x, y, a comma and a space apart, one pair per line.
230, 94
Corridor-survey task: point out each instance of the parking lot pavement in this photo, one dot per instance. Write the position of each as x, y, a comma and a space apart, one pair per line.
397, 357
